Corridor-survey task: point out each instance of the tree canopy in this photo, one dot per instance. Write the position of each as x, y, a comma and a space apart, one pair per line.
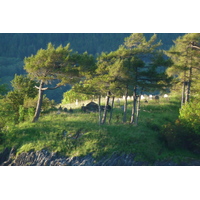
185, 68
56, 66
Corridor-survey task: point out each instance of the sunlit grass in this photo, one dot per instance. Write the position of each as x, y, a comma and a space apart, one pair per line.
78, 134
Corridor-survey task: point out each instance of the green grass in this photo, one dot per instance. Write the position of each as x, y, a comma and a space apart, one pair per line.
142, 140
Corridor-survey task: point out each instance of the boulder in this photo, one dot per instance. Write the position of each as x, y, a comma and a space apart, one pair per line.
92, 107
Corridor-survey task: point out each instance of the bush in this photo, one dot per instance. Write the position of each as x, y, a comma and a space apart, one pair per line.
184, 132
190, 115
178, 135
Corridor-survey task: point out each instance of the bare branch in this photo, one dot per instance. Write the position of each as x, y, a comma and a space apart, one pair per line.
48, 88
193, 45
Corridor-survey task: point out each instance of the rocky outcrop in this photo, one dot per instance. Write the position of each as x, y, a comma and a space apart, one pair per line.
44, 158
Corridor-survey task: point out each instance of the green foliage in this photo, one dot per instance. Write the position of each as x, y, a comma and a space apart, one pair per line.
56, 66
61, 64
71, 96
126, 67
21, 113
31, 112
31, 104
23, 89
18, 105
7, 114
126, 70
184, 133
185, 66
190, 115
24, 85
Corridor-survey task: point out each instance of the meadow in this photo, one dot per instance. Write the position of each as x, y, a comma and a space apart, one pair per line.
78, 133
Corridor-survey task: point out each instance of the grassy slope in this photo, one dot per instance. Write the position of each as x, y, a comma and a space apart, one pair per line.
99, 140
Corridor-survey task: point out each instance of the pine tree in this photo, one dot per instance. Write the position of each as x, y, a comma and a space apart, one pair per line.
56, 66
185, 68
126, 69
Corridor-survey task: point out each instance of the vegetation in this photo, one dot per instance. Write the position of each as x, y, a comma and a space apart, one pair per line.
185, 68
184, 132
164, 128
84, 135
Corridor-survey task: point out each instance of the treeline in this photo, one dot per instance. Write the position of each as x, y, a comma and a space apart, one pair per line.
14, 47
22, 45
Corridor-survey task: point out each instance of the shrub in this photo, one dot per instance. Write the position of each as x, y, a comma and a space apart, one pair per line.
190, 115
178, 135
184, 132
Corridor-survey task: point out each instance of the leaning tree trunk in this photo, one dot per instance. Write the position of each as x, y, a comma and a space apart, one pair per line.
40, 98
39, 103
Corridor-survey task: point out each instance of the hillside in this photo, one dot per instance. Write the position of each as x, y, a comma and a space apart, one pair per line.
24, 44
63, 138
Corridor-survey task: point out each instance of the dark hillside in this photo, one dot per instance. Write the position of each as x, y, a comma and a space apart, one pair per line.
21, 45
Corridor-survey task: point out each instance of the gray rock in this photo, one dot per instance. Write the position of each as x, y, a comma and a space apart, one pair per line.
44, 158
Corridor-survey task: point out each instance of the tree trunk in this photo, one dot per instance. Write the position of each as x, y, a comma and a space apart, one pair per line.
111, 111
133, 114
105, 109
39, 103
138, 110
99, 109
183, 94
189, 85
125, 107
